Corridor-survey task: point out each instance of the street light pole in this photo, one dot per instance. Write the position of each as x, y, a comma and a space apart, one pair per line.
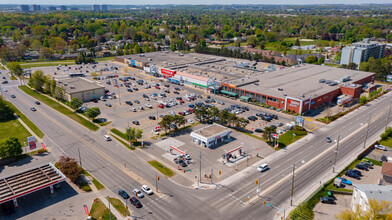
336, 154
200, 168
292, 187
80, 159
367, 131
156, 182
119, 101
110, 214
389, 112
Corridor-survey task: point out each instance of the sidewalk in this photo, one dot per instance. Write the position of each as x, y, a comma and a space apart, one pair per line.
33, 134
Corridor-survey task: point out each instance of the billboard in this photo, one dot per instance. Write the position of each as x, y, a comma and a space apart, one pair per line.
31, 142
167, 72
299, 121
133, 62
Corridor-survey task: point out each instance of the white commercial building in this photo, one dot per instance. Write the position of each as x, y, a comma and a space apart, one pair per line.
362, 193
211, 135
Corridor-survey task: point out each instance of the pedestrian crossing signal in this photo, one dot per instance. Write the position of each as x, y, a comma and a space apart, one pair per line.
264, 203
220, 172
184, 171
257, 182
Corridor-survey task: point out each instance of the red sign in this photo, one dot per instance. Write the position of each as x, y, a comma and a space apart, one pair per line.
43, 146
85, 209
167, 72
181, 152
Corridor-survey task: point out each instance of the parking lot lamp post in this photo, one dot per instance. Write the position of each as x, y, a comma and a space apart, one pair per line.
367, 131
292, 183
119, 101
80, 159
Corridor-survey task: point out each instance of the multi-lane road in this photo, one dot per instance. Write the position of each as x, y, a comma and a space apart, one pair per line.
107, 162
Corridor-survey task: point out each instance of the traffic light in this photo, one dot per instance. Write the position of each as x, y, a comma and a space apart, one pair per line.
257, 182
158, 178
184, 171
220, 172
264, 203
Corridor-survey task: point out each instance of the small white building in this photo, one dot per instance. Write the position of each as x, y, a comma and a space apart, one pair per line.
362, 193
211, 135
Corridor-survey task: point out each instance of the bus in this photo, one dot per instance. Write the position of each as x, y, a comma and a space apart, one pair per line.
77, 75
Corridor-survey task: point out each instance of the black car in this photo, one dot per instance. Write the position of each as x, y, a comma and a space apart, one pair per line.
177, 88
368, 165
245, 108
136, 89
175, 92
173, 126
328, 200
129, 90
328, 139
356, 171
137, 102
37, 103
128, 102
383, 158
13, 96
33, 109
260, 114
135, 202
259, 130
123, 194
273, 126
361, 167
352, 175
108, 105
151, 117
136, 122
252, 118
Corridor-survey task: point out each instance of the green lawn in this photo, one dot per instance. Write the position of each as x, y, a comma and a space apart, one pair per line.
125, 144
43, 63
27, 121
117, 204
387, 142
13, 128
96, 183
100, 211
161, 168
287, 138
50, 102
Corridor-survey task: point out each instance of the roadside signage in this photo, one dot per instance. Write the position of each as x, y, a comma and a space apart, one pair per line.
299, 121
168, 72
268, 204
31, 142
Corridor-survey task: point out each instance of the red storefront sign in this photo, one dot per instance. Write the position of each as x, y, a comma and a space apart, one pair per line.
168, 73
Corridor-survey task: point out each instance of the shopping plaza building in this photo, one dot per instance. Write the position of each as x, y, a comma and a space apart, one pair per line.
298, 88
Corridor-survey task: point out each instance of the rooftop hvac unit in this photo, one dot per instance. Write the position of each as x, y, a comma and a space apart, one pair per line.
302, 96
72, 87
280, 89
65, 84
60, 82
284, 94
150, 59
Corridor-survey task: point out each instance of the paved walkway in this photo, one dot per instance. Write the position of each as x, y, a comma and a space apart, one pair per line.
37, 139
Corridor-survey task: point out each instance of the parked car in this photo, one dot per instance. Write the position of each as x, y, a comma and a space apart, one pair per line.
279, 124
138, 193
161, 106
133, 109
108, 105
182, 113
368, 165
383, 158
123, 194
361, 167
345, 181
173, 126
137, 101
252, 118
263, 167
148, 105
33, 109
13, 96
380, 147
328, 139
352, 175
327, 200
107, 137
136, 122
128, 102
141, 107
220, 102
37, 103
356, 171
190, 121
259, 130
147, 190
134, 201
151, 117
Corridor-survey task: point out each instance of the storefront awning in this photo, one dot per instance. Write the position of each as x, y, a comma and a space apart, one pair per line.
245, 98
228, 93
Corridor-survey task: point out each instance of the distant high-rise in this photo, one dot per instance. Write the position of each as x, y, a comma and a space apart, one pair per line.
63, 8
24, 7
104, 7
52, 8
361, 52
36, 7
96, 8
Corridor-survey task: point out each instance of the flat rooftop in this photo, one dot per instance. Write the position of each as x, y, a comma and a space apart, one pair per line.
28, 181
297, 81
78, 84
211, 131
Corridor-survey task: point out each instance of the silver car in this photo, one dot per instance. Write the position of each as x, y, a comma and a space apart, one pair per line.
138, 193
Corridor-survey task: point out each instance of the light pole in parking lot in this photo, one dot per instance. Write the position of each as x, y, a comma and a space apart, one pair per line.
119, 101
367, 130
292, 183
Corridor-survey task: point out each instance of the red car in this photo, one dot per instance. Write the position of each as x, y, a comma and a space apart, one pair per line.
182, 113
191, 110
191, 98
161, 106
116, 75
157, 87
182, 101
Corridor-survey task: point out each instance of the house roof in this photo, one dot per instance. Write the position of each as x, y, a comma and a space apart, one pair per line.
386, 169
375, 191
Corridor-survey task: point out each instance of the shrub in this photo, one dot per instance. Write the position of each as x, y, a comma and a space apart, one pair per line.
70, 168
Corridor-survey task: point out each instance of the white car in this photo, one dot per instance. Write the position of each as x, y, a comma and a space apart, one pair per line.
107, 137
155, 132
263, 167
5, 90
190, 121
147, 190
380, 147
280, 131
148, 105
172, 113
133, 109
138, 193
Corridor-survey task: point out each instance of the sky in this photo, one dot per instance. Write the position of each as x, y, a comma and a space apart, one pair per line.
197, 2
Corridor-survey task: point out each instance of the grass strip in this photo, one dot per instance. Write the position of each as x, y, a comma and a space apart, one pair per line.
119, 133
13, 128
161, 168
50, 102
375, 162
96, 183
27, 121
100, 211
117, 204
39, 151
125, 144
100, 122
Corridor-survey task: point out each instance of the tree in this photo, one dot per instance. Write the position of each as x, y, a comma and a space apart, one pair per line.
387, 133
130, 134
38, 79
267, 133
297, 43
320, 60
363, 100
137, 48
165, 123
75, 103
201, 114
58, 93
352, 66
53, 86
69, 167
10, 148
173, 47
375, 210
46, 52
311, 59
139, 134
47, 84
6, 112
93, 112
15, 68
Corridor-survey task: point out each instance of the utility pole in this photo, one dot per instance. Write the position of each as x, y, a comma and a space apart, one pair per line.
200, 168
110, 214
367, 131
212, 171
119, 102
80, 159
129, 133
389, 112
336, 154
156, 182
292, 187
